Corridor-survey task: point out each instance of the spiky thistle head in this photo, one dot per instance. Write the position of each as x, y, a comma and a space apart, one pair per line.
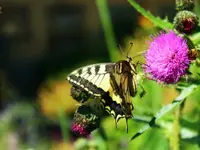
167, 58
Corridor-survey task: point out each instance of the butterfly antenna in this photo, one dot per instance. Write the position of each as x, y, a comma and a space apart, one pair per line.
131, 45
121, 49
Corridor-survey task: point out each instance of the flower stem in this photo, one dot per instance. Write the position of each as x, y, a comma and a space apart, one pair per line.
175, 136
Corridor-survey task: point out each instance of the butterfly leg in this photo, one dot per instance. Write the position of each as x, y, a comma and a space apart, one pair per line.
116, 123
139, 63
143, 91
126, 125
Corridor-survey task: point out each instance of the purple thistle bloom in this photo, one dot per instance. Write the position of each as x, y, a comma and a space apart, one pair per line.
167, 58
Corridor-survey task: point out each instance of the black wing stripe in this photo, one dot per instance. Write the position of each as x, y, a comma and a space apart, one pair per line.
80, 71
97, 67
87, 77
114, 84
131, 86
90, 81
109, 68
86, 85
116, 88
101, 68
89, 71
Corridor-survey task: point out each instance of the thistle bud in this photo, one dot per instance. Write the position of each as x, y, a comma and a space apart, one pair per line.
184, 4
85, 121
185, 22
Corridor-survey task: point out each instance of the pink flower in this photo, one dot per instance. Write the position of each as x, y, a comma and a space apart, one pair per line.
79, 130
167, 58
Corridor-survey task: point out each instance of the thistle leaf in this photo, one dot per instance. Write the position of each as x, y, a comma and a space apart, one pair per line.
164, 110
161, 23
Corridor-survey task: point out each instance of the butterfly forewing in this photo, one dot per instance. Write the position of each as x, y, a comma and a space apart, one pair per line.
93, 75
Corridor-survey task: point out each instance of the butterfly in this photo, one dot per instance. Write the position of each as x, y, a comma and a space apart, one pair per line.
113, 84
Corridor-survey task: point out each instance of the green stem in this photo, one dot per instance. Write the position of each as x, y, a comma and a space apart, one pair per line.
175, 135
108, 30
63, 124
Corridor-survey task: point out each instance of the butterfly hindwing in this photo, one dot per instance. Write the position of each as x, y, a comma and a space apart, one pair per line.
114, 108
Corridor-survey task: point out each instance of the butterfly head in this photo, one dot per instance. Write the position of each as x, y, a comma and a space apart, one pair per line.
129, 59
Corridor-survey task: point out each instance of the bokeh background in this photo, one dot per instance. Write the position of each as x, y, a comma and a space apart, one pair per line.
41, 41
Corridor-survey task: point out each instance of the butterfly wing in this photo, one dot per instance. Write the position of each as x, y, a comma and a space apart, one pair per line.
93, 78
128, 85
110, 83
96, 80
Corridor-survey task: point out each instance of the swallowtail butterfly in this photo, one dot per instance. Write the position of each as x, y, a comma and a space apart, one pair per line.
112, 83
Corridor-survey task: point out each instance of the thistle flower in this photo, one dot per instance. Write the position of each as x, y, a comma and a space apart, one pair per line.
167, 58
85, 121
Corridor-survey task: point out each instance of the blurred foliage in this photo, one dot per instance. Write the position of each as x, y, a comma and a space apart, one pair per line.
53, 96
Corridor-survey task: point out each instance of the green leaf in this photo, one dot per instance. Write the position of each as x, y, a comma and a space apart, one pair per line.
196, 39
163, 24
188, 129
164, 110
